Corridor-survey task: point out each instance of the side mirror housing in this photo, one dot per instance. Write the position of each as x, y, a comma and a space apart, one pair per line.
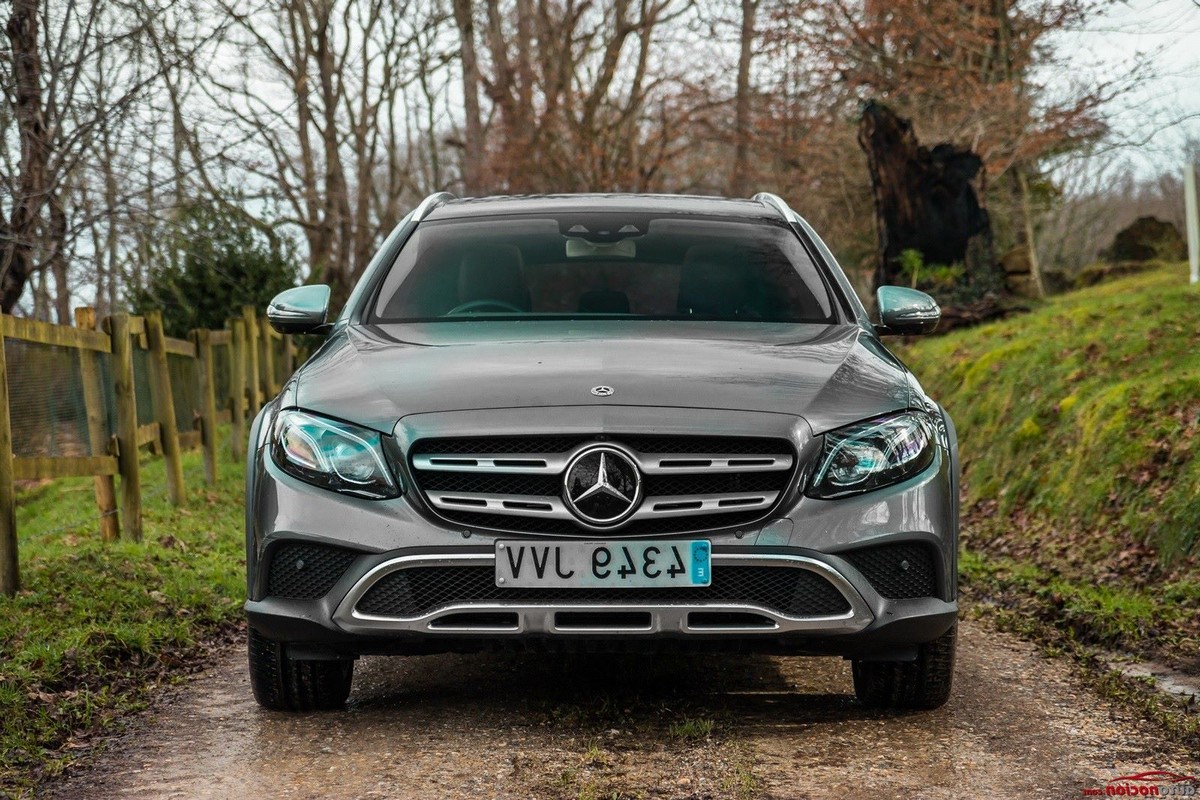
300, 310
906, 312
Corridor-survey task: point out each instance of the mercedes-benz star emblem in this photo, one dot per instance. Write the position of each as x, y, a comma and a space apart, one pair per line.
602, 391
602, 486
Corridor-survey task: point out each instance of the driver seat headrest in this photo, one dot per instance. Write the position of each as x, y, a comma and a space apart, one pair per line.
712, 281
493, 272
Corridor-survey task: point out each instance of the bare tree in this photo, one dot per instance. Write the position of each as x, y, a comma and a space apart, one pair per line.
72, 73
334, 150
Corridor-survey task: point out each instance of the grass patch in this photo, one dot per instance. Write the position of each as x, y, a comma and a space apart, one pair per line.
98, 625
1107, 616
1079, 429
692, 729
1085, 623
1084, 414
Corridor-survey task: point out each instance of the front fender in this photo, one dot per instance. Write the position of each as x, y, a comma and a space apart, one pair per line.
253, 465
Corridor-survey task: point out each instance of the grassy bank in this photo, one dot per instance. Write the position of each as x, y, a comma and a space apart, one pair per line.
1079, 429
97, 625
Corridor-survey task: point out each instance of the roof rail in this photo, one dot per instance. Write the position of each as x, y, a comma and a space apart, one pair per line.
775, 202
430, 203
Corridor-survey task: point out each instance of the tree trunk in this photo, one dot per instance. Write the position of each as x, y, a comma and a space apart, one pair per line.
924, 200
17, 247
472, 158
1027, 237
739, 181
57, 263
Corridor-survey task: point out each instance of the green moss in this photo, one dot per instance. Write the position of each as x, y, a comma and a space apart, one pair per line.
97, 625
1029, 429
1085, 411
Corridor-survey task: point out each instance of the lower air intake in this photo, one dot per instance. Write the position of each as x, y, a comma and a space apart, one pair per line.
897, 571
789, 591
306, 571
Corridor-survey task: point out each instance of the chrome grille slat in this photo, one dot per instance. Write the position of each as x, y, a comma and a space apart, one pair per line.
554, 508
693, 505
517, 505
514, 483
547, 464
648, 463
689, 463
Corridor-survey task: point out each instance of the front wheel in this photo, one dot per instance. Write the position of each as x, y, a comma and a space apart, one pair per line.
286, 684
920, 684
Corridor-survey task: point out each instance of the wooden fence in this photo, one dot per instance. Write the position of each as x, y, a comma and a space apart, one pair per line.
256, 359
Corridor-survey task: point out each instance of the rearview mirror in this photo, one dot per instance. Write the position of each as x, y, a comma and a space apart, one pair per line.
906, 312
300, 310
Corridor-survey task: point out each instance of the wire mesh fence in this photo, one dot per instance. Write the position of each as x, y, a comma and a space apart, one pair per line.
46, 409
185, 389
71, 412
142, 387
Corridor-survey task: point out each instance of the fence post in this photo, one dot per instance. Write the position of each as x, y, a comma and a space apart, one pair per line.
237, 387
202, 339
164, 401
93, 401
10, 573
1191, 209
268, 358
255, 375
118, 326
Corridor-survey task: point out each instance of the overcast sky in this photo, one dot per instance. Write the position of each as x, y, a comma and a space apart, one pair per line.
1160, 114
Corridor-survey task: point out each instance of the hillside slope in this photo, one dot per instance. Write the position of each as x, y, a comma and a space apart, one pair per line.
1078, 425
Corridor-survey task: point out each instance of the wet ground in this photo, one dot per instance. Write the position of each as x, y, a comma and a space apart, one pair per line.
507, 726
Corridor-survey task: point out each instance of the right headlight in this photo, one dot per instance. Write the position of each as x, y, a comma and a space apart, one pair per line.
333, 454
873, 454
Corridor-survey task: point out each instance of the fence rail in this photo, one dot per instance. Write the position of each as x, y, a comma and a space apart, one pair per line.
85, 400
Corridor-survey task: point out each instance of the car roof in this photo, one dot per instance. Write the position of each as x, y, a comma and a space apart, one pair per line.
670, 204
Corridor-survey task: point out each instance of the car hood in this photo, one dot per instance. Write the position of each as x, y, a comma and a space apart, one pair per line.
831, 375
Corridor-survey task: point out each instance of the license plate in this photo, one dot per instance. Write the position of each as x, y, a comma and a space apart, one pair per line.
610, 565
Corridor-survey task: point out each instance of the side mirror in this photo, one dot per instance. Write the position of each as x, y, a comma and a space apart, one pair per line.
300, 310
906, 312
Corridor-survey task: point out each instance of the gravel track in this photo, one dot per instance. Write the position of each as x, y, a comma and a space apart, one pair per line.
519, 726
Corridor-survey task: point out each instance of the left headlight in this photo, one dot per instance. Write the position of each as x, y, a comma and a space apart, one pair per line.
332, 454
871, 455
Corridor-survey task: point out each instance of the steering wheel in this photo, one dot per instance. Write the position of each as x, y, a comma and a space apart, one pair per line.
472, 306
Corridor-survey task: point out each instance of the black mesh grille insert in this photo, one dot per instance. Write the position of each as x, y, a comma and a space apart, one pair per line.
419, 590
897, 571
304, 571
494, 483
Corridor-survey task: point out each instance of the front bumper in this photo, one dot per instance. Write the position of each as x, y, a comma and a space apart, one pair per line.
814, 536
334, 626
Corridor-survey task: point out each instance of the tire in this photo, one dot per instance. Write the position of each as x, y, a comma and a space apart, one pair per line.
921, 684
285, 684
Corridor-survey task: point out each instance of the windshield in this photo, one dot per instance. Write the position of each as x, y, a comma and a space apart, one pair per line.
604, 265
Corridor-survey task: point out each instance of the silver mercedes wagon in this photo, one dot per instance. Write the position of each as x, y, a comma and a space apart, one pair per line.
602, 422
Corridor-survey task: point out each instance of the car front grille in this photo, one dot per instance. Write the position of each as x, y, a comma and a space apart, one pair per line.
304, 571
416, 591
689, 483
897, 571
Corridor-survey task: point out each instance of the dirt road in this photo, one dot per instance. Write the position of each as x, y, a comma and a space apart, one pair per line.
510, 726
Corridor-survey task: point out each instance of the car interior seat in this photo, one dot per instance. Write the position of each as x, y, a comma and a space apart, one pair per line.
712, 282
604, 301
495, 272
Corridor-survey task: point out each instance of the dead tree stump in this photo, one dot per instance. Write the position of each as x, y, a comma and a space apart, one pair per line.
924, 200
